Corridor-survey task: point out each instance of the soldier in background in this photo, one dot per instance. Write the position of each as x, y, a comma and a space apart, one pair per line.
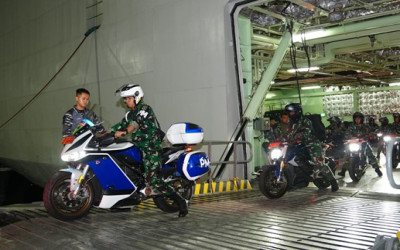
395, 126
270, 134
335, 131
373, 130
383, 130
282, 128
335, 136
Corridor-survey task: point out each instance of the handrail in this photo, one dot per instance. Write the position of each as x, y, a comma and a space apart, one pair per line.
235, 144
389, 171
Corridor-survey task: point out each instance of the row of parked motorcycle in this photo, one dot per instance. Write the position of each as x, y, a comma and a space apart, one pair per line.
106, 173
290, 166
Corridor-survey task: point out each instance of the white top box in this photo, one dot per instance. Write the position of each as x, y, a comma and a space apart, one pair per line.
184, 133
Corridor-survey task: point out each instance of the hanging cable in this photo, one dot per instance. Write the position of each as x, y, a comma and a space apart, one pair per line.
87, 33
292, 51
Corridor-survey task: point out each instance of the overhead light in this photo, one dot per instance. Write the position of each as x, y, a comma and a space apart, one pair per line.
303, 69
394, 84
310, 87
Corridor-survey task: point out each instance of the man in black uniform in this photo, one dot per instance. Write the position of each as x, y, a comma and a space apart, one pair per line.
75, 115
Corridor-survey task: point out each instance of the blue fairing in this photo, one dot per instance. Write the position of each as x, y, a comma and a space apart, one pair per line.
193, 165
176, 173
133, 153
111, 177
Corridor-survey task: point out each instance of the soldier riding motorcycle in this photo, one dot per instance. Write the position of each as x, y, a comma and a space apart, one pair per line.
298, 161
358, 150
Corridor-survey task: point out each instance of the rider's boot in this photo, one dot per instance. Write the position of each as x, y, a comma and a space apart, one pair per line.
377, 170
342, 172
334, 185
182, 204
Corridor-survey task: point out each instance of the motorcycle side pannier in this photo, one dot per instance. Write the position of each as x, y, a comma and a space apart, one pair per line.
193, 165
185, 133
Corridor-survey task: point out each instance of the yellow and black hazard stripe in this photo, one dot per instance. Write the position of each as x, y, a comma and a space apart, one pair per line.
221, 186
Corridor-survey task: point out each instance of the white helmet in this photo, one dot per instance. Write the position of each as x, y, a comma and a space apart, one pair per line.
131, 89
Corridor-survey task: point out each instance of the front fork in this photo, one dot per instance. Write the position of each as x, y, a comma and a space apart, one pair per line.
77, 176
281, 167
282, 163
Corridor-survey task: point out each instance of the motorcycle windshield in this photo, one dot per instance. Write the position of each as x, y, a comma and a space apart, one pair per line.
83, 127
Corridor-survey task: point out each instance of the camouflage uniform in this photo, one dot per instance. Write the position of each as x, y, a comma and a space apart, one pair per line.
146, 138
395, 128
302, 131
385, 130
373, 127
361, 131
280, 131
335, 133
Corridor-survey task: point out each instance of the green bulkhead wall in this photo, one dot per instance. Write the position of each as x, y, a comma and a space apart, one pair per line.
312, 101
246, 63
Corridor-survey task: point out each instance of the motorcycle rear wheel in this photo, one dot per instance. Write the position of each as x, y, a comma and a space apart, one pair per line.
354, 171
269, 185
322, 183
57, 198
167, 204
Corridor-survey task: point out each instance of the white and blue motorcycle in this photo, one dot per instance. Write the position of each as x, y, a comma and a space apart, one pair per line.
106, 173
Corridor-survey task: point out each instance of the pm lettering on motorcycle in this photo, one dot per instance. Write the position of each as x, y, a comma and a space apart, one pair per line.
204, 162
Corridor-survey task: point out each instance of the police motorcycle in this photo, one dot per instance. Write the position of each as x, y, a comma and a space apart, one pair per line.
291, 168
356, 158
105, 172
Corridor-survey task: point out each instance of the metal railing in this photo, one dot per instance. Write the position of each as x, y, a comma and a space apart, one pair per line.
245, 158
389, 170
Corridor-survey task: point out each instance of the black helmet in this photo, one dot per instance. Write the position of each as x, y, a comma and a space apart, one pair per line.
384, 120
396, 115
296, 108
359, 115
371, 119
335, 119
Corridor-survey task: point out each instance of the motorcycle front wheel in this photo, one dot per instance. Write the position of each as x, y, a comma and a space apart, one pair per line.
269, 184
355, 171
395, 157
185, 189
58, 200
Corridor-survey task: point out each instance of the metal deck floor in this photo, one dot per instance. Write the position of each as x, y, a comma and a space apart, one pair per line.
303, 219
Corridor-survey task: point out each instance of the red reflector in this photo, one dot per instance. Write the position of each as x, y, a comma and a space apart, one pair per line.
67, 140
274, 145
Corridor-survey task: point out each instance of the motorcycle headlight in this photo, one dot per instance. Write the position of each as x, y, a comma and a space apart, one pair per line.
73, 156
379, 134
276, 153
387, 138
354, 147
